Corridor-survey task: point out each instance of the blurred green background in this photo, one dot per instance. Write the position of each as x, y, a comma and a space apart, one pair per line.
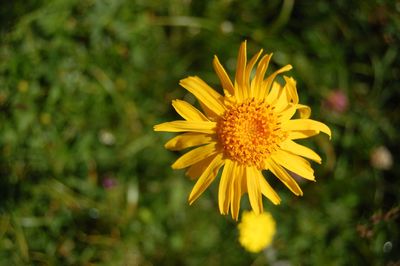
85, 181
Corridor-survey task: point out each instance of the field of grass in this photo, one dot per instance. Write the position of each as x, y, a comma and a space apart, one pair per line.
84, 180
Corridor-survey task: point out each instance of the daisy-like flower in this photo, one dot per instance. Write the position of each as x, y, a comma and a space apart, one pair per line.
246, 130
256, 231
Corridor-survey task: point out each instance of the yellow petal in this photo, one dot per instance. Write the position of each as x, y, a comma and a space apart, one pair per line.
293, 147
306, 124
206, 178
285, 178
188, 140
293, 97
195, 170
257, 83
304, 110
287, 113
268, 191
270, 79
187, 126
236, 190
194, 156
282, 102
254, 189
223, 77
224, 190
294, 163
188, 111
301, 134
291, 90
249, 68
274, 93
204, 94
240, 71
251, 64
209, 113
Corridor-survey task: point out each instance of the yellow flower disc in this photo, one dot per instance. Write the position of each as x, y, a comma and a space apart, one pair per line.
249, 132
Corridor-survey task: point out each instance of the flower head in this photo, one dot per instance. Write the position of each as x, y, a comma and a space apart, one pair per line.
244, 131
256, 231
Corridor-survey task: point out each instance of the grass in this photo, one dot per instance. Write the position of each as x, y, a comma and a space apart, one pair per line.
84, 180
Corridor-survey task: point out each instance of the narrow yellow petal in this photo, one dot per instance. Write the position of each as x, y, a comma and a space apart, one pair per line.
292, 90
223, 77
270, 79
302, 134
268, 191
257, 83
254, 189
274, 93
282, 102
306, 124
304, 110
293, 147
283, 176
204, 93
194, 156
288, 113
197, 169
294, 163
187, 126
236, 190
209, 113
241, 65
249, 68
188, 111
206, 178
188, 140
224, 190
251, 64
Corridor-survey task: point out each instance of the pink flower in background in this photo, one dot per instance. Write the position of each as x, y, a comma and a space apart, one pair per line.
337, 101
109, 182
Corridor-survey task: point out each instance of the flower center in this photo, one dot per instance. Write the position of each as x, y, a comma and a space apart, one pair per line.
249, 132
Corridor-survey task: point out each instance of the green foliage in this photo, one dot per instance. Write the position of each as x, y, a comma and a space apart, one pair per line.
84, 180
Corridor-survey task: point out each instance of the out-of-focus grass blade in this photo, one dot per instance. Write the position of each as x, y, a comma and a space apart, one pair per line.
21, 240
64, 194
4, 224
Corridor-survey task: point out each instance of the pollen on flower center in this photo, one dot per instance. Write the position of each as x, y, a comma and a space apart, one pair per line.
249, 132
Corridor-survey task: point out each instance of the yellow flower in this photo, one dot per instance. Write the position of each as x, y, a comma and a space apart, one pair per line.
256, 231
244, 131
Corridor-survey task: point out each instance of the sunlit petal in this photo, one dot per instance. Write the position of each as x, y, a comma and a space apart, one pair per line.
270, 79
294, 163
194, 156
187, 126
204, 93
236, 190
283, 175
256, 84
306, 124
223, 77
240, 72
291, 146
188, 111
254, 189
188, 140
224, 191
206, 178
